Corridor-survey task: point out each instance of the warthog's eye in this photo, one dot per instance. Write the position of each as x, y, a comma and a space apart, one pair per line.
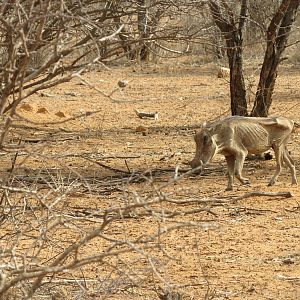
205, 140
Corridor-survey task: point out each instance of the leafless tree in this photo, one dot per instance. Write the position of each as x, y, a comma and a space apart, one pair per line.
44, 241
231, 17
45, 43
232, 27
51, 247
277, 37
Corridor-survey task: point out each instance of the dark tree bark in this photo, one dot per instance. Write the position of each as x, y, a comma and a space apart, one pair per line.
277, 36
126, 41
144, 31
233, 34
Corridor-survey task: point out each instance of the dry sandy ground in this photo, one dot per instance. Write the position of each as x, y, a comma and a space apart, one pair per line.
249, 248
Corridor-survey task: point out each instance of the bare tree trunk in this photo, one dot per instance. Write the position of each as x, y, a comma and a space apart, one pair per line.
277, 37
234, 41
126, 44
237, 84
143, 27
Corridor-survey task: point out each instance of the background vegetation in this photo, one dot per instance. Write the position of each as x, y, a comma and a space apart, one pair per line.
46, 43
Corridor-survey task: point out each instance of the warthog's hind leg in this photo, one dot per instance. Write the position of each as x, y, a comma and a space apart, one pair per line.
290, 163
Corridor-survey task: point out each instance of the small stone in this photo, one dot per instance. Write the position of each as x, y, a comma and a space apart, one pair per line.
60, 114
26, 107
42, 110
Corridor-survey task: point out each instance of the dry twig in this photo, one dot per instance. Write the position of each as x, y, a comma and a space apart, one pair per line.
142, 114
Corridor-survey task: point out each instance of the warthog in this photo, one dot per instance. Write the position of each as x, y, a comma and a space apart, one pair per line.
236, 136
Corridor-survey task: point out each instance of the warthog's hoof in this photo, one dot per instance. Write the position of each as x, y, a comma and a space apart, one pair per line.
229, 188
271, 183
246, 182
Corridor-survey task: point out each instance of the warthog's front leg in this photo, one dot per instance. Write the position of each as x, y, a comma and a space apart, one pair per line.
230, 167
239, 163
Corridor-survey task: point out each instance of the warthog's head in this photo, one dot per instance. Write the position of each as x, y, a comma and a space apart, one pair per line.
206, 148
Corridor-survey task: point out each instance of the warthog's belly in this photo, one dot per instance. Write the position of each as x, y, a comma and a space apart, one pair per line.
258, 150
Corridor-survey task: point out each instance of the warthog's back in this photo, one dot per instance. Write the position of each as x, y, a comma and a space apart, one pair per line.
268, 121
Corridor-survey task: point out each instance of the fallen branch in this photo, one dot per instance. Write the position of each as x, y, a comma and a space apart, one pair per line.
142, 114
110, 95
289, 278
106, 166
82, 115
219, 201
44, 94
271, 194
